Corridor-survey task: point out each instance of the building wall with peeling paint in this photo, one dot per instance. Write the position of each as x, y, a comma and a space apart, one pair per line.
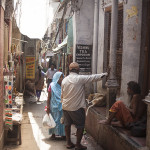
132, 36
134, 42
83, 25
131, 43
101, 50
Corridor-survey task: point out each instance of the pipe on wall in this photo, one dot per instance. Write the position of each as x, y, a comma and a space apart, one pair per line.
95, 41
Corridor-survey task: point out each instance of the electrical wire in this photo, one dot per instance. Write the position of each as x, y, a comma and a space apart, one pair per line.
61, 23
74, 8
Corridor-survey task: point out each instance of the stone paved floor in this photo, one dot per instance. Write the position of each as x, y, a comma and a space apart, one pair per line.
35, 137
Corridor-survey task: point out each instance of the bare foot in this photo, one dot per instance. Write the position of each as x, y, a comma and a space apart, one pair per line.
105, 122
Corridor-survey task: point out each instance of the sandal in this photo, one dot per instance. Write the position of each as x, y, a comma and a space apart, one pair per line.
81, 147
70, 146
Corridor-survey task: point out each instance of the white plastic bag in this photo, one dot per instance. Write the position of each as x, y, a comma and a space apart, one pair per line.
48, 121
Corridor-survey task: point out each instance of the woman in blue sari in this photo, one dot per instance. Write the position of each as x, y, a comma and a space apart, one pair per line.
54, 105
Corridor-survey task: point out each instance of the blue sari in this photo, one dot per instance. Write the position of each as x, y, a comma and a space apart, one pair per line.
56, 106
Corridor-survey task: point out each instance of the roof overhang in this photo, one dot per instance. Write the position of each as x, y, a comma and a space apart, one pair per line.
61, 45
49, 53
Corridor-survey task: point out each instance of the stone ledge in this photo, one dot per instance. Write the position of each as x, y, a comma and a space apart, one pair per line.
107, 136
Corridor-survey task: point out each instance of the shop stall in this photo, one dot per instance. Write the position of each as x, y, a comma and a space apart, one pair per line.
13, 107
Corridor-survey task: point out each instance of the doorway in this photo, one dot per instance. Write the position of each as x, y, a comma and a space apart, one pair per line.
119, 42
146, 77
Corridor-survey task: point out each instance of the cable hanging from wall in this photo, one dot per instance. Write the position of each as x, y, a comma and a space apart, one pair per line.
65, 5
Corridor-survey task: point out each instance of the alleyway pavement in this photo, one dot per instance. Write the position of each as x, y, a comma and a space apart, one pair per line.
35, 137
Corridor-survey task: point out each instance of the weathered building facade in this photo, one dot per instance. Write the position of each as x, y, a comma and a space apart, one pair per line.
2, 7
6, 10
123, 35
115, 34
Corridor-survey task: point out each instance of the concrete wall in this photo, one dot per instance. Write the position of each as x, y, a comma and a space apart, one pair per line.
23, 65
6, 44
83, 24
101, 40
131, 43
16, 35
132, 29
107, 136
1, 71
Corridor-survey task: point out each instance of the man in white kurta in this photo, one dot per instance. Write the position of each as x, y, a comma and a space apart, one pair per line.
49, 74
73, 102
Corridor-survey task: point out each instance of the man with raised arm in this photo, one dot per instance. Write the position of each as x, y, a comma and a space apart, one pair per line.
73, 102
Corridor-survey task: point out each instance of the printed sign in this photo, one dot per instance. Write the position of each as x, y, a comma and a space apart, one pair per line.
8, 117
30, 67
84, 57
8, 103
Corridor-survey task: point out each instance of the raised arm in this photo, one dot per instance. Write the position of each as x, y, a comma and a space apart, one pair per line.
91, 78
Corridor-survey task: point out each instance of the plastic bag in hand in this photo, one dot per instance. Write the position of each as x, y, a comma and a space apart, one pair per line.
48, 121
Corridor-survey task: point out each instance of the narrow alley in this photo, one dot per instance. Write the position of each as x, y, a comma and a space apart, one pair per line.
85, 64
36, 137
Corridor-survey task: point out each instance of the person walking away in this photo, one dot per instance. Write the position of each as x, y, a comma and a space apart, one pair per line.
126, 115
73, 102
50, 72
54, 105
39, 81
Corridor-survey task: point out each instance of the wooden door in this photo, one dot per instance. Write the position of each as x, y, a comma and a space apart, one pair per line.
146, 84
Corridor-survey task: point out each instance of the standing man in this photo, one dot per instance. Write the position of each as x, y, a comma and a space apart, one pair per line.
39, 81
50, 72
73, 102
